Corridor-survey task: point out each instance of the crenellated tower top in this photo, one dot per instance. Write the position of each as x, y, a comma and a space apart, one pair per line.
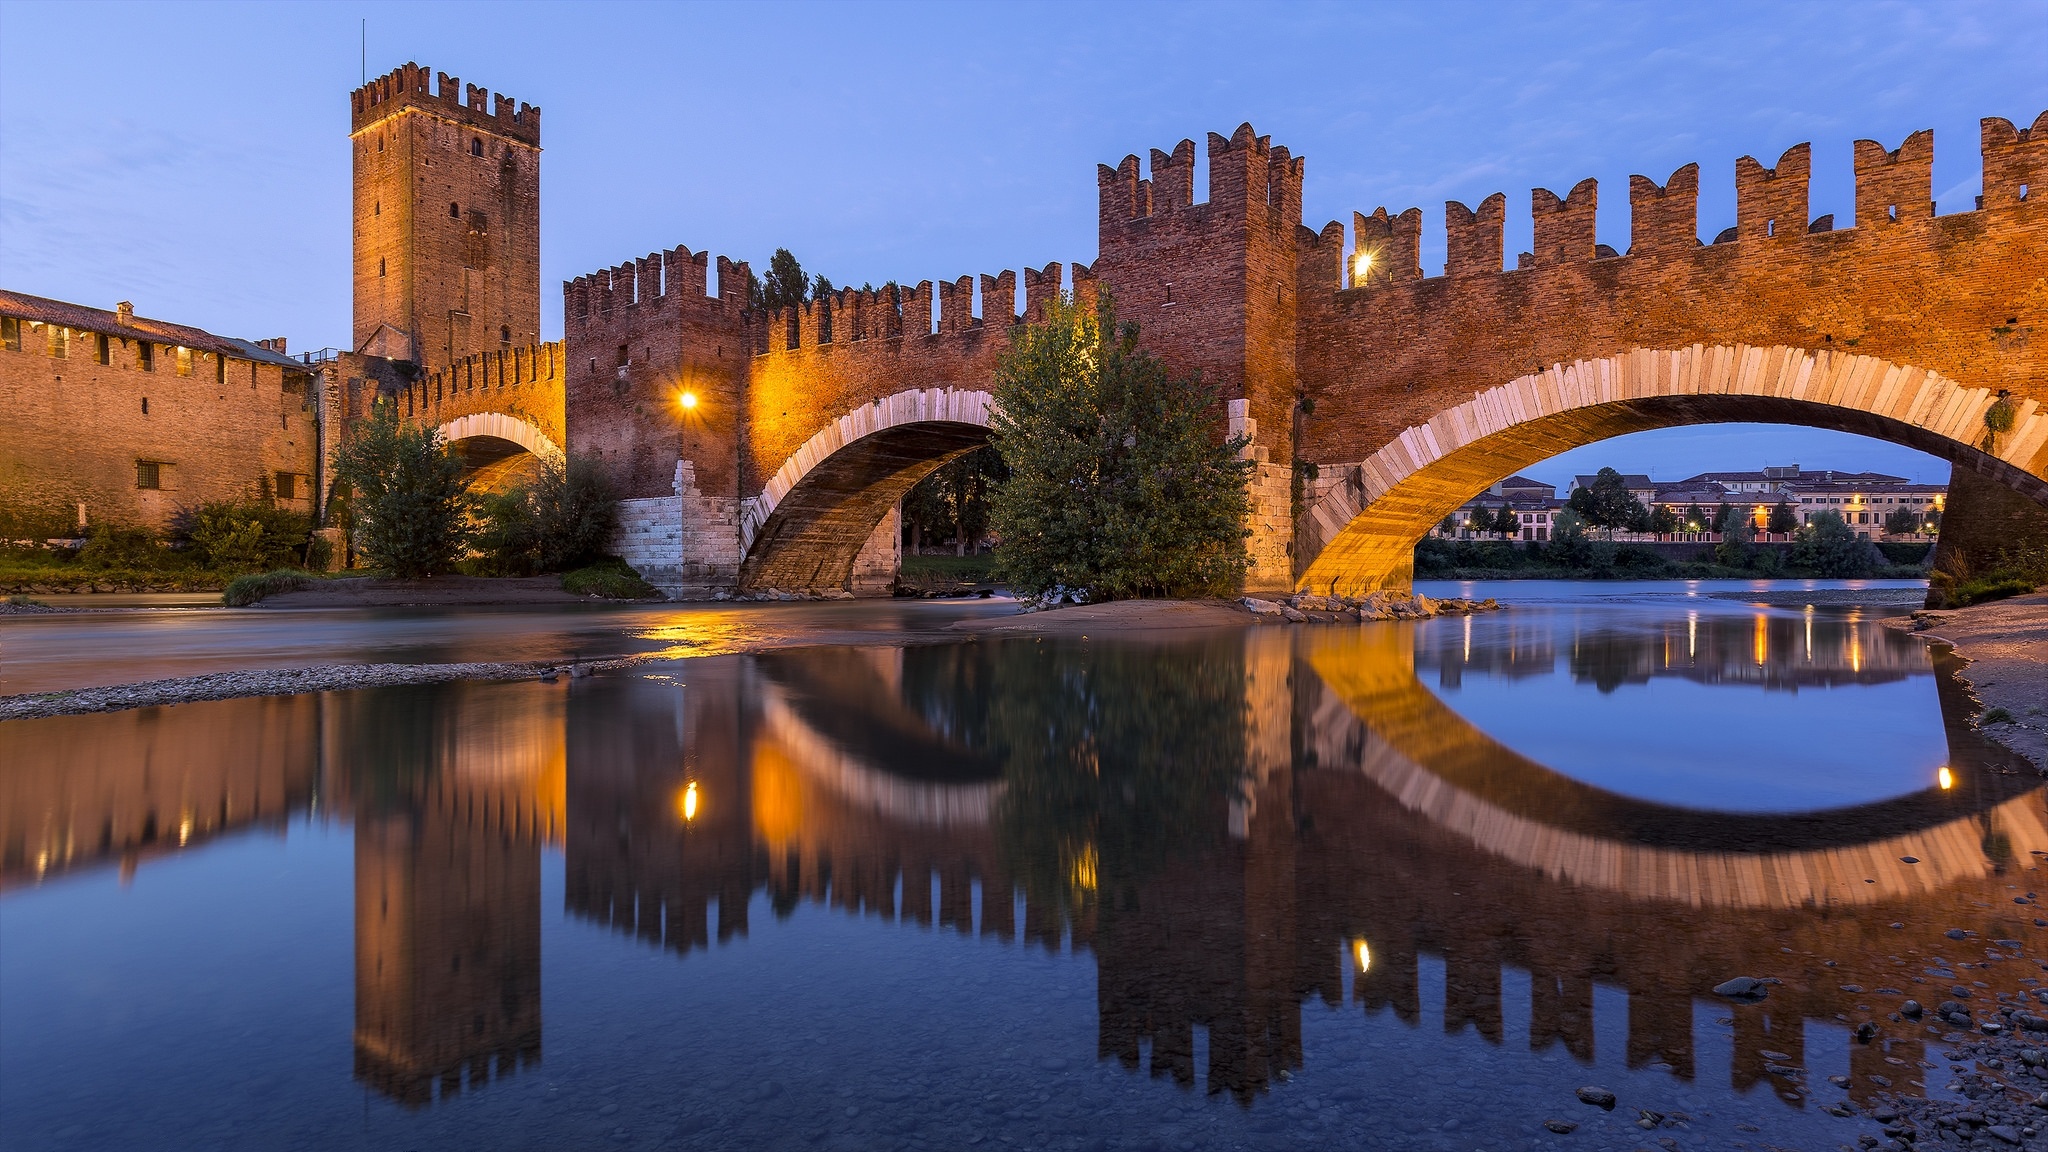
414, 86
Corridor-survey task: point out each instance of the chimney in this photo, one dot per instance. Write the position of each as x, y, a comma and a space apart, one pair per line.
124, 312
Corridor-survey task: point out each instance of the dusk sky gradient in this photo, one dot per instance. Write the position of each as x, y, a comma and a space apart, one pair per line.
193, 158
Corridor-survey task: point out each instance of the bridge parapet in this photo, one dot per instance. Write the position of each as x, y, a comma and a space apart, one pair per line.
524, 383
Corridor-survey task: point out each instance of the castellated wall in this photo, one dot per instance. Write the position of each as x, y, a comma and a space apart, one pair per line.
446, 218
216, 427
1383, 348
637, 337
525, 383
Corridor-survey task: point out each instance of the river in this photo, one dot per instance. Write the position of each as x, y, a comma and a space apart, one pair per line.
849, 880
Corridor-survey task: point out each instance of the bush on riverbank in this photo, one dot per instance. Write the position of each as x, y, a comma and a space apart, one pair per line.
2013, 572
611, 579
564, 520
243, 591
202, 551
402, 493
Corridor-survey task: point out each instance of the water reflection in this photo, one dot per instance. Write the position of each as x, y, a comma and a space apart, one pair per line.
1232, 826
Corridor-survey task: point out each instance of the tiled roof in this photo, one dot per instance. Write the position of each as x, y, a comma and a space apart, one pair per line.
77, 316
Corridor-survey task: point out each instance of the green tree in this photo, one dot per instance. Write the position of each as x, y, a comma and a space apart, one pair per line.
1118, 484
1900, 521
1568, 544
1694, 519
1783, 519
1606, 503
1507, 522
1450, 524
409, 514
1737, 537
785, 285
953, 502
1663, 521
1721, 514
564, 519
1829, 547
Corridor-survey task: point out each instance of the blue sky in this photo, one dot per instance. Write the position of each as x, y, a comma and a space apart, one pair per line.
192, 157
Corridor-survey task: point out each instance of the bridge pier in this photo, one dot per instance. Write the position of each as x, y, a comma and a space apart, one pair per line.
1985, 525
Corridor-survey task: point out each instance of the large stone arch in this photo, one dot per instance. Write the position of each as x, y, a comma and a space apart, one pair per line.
810, 522
497, 449
1361, 532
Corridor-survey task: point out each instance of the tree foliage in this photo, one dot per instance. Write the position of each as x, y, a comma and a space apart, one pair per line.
1118, 484
1606, 502
953, 502
1829, 547
565, 519
1506, 522
1737, 538
408, 513
1900, 521
1663, 521
1783, 519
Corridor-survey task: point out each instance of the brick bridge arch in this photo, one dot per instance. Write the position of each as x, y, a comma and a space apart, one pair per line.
1361, 532
498, 449
823, 505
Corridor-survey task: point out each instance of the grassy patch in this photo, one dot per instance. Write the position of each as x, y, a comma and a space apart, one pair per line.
979, 569
611, 579
243, 591
1997, 716
1979, 591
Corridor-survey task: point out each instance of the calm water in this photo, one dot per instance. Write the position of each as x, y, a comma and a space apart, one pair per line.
1400, 886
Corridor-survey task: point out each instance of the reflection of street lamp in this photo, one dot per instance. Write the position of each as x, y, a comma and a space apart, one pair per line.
687, 804
1363, 953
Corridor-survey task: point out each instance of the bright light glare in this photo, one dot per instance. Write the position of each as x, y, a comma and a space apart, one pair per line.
689, 804
1947, 778
1362, 265
689, 401
1364, 954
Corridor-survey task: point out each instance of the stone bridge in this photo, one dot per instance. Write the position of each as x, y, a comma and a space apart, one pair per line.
1376, 398
502, 411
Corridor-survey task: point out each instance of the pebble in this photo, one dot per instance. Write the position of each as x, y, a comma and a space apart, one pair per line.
1742, 988
1561, 1127
1597, 1097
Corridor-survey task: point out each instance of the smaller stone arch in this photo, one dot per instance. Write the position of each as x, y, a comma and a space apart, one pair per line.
811, 519
500, 426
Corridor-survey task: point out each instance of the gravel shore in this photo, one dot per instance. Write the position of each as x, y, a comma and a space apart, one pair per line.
277, 682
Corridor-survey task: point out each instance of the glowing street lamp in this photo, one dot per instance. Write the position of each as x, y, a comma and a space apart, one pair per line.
688, 400
1361, 265
1946, 778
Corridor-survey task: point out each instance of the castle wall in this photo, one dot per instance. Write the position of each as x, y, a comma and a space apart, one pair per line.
217, 427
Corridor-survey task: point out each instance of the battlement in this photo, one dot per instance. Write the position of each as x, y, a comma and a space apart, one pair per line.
1893, 188
409, 87
483, 379
673, 279
920, 311
1246, 170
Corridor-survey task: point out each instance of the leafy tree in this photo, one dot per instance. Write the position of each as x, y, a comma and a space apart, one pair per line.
1450, 524
1118, 483
248, 537
1663, 521
565, 519
1783, 519
1606, 503
1640, 518
1829, 547
953, 502
407, 508
1736, 539
1568, 544
1507, 522
1721, 513
1900, 521
785, 285
1694, 519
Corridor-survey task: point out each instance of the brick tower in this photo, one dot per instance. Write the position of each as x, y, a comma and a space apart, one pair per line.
447, 219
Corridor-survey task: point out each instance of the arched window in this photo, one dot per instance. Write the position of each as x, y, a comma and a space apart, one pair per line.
454, 211
476, 146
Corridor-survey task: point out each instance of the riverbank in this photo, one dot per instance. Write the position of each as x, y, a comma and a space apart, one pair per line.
2005, 647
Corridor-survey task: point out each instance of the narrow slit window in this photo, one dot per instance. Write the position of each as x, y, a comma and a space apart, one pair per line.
60, 342
476, 146
102, 350
145, 355
220, 368
145, 405
184, 361
454, 211
380, 266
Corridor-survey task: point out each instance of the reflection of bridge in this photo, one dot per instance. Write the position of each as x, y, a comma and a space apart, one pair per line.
814, 775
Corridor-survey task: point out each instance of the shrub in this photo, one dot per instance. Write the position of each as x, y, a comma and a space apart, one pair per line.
405, 501
565, 519
613, 580
1997, 716
108, 547
243, 591
1827, 546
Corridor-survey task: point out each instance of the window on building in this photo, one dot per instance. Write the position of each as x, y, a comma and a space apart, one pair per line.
454, 211
10, 333
148, 474
476, 146
220, 368
102, 350
287, 486
380, 266
145, 355
505, 333
184, 361
625, 356
60, 341
377, 209
145, 405
380, 143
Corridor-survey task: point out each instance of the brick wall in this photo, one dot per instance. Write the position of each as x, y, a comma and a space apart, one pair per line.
75, 430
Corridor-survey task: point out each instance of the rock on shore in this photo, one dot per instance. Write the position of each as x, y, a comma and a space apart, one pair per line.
1308, 608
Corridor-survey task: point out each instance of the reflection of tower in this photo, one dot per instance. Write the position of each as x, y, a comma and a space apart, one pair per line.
447, 949
453, 789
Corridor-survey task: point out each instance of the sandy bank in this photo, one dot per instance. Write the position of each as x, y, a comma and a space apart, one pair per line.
1115, 617
2006, 646
440, 591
